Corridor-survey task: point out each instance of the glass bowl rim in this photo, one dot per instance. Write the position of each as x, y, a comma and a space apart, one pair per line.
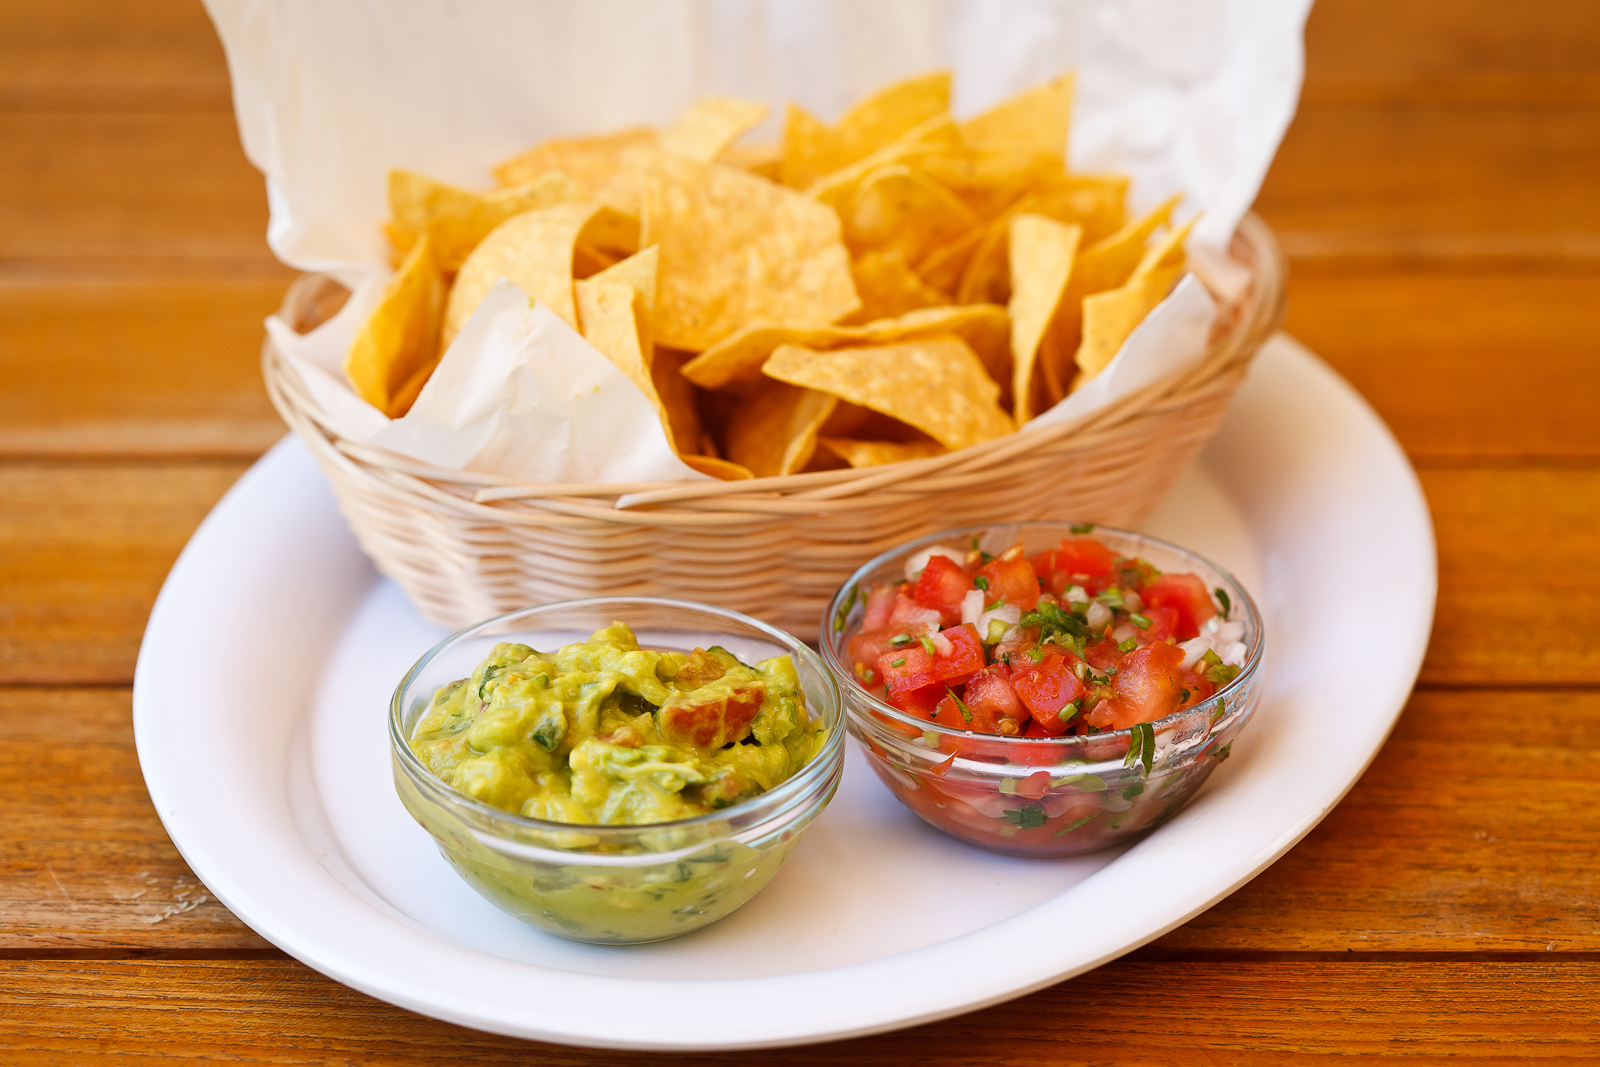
833, 615
831, 753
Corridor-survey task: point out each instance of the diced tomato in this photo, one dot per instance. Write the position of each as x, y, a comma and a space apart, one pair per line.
1186, 594
1103, 653
1145, 688
990, 696
943, 584
1163, 624
1011, 580
865, 649
918, 702
908, 617
880, 604
1045, 688
912, 667
1078, 558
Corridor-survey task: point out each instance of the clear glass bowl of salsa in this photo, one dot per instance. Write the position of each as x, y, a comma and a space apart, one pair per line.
617, 884
1041, 795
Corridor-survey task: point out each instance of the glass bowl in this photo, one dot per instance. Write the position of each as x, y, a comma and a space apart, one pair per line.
1038, 796
617, 884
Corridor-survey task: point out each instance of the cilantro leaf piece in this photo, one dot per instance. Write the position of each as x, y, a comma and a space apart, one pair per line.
1224, 600
1026, 817
966, 712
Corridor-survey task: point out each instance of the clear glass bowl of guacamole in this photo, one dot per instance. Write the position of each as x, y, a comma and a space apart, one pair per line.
617, 784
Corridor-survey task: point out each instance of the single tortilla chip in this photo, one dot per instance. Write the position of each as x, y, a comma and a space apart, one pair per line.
608, 167
1037, 120
774, 431
1042, 252
763, 159
1108, 319
1165, 258
812, 149
935, 384
709, 125
1093, 203
457, 219
943, 267
397, 348
680, 402
639, 271
534, 250
898, 208
889, 287
991, 180
609, 312
736, 360
735, 248
937, 136
877, 453
718, 468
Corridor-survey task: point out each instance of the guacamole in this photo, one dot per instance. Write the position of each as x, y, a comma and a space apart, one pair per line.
605, 732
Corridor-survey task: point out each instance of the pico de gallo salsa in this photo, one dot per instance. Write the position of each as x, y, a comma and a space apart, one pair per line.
1074, 640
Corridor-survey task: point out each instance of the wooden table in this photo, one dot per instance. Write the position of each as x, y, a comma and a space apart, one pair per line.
1438, 198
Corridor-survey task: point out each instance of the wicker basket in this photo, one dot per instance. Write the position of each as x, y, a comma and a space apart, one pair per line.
466, 546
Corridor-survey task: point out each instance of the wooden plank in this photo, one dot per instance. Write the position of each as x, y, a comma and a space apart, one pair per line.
1127, 1013
134, 53
129, 186
84, 546
1499, 367
83, 551
135, 368
88, 866
1519, 596
1473, 831
1462, 837
1364, 185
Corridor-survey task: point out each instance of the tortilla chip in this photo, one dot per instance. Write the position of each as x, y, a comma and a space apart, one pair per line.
937, 136
1165, 259
607, 167
1108, 319
897, 208
876, 453
535, 251
640, 272
609, 312
935, 384
942, 268
718, 468
734, 248
763, 159
679, 401
1042, 252
774, 432
457, 219
811, 150
888, 287
1033, 121
397, 348
736, 360
990, 180
1105, 265
709, 125
1090, 202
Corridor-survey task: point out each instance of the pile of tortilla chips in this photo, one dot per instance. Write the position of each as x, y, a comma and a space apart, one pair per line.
892, 286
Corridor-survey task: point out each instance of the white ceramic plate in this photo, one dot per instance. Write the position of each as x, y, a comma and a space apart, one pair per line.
262, 688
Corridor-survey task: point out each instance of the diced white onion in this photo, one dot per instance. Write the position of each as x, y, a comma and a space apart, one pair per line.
941, 643
1076, 594
1009, 614
1231, 631
972, 607
1132, 601
919, 559
1232, 653
1193, 650
1099, 616
1123, 632
1211, 625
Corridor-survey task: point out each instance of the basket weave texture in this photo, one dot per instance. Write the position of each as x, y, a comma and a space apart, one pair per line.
466, 546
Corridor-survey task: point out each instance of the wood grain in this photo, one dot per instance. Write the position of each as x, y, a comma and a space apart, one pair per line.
1126, 1013
83, 550
127, 369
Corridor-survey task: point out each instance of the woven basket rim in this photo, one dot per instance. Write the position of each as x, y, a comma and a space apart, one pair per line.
1244, 324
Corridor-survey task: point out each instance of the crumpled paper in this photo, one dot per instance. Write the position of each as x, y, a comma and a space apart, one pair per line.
1186, 96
